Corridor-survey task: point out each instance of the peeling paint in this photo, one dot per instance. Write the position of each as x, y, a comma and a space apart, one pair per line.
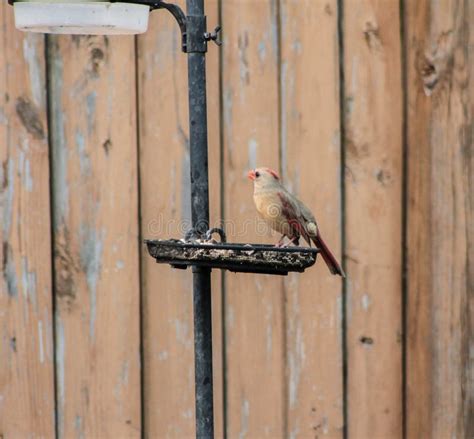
163, 355
78, 426
365, 302
228, 106
84, 159
21, 161
119, 265
243, 44
40, 341
27, 178
91, 103
244, 419
252, 153
6, 196
91, 250
123, 380
269, 329
262, 51
35, 70
3, 117
296, 355
294, 432
60, 371
125, 372
325, 425
28, 280
297, 47
187, 414
182, 333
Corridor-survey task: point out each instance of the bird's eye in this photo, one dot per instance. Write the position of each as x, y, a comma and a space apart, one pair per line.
257, 174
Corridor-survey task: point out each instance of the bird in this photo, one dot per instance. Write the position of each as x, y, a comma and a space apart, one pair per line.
287, 215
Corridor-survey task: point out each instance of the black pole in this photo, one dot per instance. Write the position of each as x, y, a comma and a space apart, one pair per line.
200, 216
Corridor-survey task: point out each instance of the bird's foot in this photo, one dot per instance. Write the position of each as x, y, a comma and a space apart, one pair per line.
295, 241
281, 242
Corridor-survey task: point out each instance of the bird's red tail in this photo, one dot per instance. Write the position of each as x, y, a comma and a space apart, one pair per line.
328, 257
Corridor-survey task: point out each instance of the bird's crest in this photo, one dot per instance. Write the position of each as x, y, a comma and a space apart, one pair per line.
273, 173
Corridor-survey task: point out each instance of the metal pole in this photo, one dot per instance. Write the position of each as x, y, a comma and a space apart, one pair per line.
200, 218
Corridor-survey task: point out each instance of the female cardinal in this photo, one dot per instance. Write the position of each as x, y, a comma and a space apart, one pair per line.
287, 215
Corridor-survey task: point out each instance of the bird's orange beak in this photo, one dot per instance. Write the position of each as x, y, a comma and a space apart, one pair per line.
251, 175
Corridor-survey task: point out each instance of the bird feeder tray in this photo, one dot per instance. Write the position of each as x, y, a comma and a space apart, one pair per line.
243, 258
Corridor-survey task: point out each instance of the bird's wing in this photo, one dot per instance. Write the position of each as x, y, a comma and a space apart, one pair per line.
294, 214
310, 224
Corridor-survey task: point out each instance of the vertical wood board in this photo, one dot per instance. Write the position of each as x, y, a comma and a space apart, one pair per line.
92, 95
439, 218
373, 216
311, 164
26, 331
254, 303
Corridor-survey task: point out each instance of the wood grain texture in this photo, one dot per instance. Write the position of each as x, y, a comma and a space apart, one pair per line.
439, 216
93, 124
26, 335
254, 303
311, 163
166, 213
373, 181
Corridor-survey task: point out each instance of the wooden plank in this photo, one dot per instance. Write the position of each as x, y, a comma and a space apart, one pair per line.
373, 203
255, 368
26, 347
92, 96
440, 121
166, 212
311, 163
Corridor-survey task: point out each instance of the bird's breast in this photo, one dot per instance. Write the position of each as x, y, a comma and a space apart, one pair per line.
268, 204
269, 207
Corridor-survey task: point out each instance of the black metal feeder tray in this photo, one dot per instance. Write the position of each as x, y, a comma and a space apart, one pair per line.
244, 258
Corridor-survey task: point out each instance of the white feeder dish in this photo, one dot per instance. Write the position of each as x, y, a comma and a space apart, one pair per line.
82, 17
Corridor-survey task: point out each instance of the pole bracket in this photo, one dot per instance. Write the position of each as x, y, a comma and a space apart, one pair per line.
194, 36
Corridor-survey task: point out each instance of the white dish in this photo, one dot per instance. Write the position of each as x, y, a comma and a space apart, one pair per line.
86, 18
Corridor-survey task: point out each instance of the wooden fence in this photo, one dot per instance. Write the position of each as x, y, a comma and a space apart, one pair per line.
366, 108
